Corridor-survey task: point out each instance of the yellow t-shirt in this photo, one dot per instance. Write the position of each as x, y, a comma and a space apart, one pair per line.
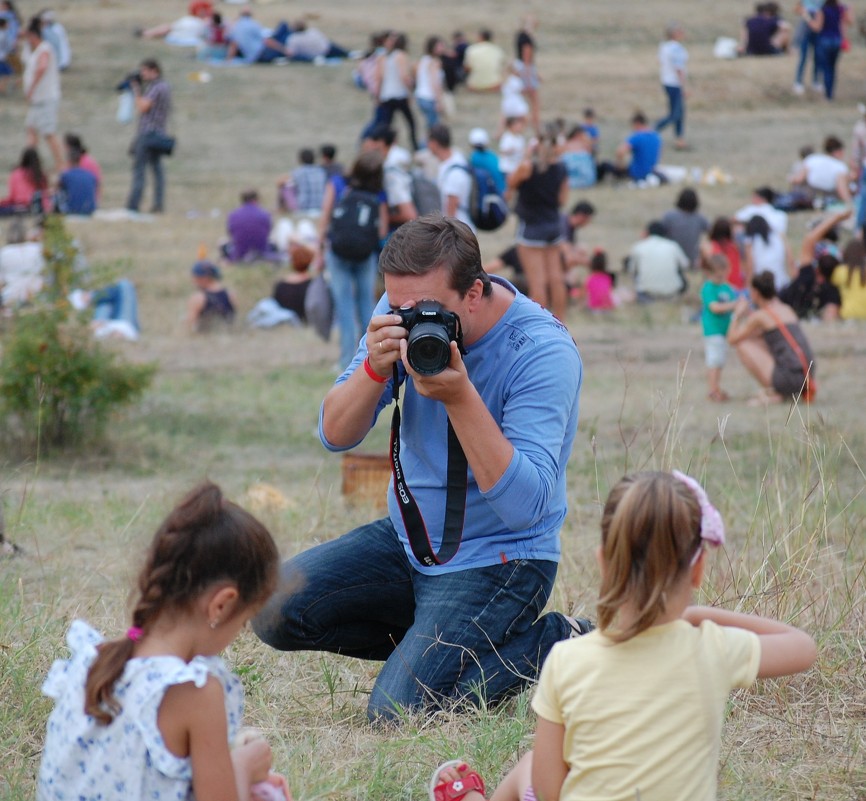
486, 63
853, 297
645, 715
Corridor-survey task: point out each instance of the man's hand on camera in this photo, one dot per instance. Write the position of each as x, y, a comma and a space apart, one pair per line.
384, 335
446, 386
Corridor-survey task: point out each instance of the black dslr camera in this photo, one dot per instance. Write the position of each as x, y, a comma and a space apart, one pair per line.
126, 83
431, 330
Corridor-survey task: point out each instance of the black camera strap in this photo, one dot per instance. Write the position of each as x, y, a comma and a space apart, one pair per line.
455, 495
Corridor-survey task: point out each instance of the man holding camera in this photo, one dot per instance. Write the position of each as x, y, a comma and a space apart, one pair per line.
153, 104
450, 587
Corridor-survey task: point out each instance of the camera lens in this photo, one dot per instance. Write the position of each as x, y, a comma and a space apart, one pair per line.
429, 348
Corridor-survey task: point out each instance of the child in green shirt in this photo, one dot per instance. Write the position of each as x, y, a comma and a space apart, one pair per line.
717, 303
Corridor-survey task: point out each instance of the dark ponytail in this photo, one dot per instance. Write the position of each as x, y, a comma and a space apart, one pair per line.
204, 540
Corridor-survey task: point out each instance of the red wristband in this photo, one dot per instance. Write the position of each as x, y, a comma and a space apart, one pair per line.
368, 368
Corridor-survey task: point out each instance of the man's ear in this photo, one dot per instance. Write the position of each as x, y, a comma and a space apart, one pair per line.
475, 294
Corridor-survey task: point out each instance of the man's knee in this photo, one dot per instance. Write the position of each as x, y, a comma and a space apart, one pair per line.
276, 624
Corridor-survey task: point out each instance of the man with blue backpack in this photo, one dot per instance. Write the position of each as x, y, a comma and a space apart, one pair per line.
468, 193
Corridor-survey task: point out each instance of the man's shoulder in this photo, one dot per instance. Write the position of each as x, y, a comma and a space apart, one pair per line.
528, 323
644, 136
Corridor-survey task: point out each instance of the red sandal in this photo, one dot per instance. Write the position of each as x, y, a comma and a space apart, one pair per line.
454, 790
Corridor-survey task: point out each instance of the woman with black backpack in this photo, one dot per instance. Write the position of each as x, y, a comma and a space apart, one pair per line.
354, 220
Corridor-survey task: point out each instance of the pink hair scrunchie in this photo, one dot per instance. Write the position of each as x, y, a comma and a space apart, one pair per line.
712, 527
134, 633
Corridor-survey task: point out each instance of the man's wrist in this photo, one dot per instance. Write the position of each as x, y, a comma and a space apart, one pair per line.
368, 369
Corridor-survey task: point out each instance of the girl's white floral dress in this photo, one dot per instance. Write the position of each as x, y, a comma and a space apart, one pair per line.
86, 761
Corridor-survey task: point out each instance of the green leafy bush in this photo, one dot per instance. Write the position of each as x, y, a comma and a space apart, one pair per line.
58, 386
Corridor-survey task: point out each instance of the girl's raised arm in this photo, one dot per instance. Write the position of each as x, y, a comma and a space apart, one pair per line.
784, 649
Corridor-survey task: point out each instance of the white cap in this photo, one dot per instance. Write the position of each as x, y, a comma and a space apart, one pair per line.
478, 137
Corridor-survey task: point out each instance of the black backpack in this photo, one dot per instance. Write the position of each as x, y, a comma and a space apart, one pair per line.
354, 231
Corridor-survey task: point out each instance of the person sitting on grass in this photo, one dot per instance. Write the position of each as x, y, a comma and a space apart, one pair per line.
599, 285
825, 176
636, 158
77, 188
211, 303
657, 263
764, 33
771, 344
849, 279
811, 292
154, 711
249, 228
26, 182
635, 709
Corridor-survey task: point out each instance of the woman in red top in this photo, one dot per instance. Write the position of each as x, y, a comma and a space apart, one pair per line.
25, 180
721, 240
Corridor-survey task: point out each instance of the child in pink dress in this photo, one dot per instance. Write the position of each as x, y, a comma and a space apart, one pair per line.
599, 285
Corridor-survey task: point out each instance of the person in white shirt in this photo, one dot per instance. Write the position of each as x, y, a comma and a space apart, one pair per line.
512, 144
42, 91
398, 179
673, 58
657, 264
762, 206
826, 173
454, 179
430, 80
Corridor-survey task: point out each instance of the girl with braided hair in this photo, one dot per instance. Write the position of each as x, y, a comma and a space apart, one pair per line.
150, 715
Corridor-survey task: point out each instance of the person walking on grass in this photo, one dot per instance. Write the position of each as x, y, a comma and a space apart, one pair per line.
151, 714
42, 91
673, 59
635, 709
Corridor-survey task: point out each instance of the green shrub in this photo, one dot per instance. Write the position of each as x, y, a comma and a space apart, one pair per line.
57, 385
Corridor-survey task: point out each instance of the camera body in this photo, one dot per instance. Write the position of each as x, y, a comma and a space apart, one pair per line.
431, 329
126, 83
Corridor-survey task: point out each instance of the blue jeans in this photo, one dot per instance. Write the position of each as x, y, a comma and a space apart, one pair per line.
473, 635
144, 157
353, 285
826, 54
676, 111
428, 109
806, 38
280, 34
116, 301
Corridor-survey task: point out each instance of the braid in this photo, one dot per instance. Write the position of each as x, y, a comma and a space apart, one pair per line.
205, 539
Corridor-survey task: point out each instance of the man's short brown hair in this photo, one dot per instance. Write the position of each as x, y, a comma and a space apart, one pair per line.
434, 241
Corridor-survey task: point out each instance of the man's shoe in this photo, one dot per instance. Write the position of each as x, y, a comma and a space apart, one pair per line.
579, 626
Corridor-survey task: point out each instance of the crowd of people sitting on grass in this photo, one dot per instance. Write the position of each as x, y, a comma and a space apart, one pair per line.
523, 164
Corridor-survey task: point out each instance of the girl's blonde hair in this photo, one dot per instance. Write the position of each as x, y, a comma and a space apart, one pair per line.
650, 532
547, 152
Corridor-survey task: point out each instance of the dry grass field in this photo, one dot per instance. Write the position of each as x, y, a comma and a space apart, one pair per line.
241, 407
